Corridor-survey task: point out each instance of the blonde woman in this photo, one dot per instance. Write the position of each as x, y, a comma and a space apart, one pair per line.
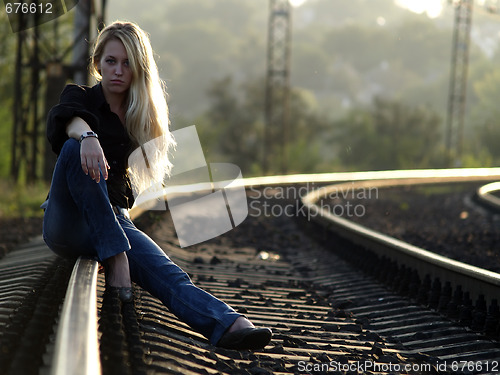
93, 130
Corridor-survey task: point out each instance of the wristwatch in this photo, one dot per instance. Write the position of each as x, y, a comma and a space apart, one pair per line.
88, 134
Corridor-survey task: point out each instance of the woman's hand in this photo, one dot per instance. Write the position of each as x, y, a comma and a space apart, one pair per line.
91, 153
92, 157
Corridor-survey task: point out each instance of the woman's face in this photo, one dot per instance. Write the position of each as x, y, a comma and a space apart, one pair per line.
114, 68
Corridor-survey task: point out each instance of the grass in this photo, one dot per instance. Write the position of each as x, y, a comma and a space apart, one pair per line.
19, 200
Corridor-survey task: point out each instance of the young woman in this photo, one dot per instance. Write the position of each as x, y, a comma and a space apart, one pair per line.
93, 130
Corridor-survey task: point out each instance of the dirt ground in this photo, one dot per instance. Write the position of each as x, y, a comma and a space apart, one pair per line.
16, 231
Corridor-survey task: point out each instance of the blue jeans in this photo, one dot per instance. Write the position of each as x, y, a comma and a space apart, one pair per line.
79, 220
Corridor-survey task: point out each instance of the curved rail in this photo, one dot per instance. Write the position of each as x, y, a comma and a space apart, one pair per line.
475, 280
79, 353
458, 174
485, 196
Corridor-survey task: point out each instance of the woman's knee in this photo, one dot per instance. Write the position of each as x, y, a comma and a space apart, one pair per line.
70, 161
70, 148
67, 247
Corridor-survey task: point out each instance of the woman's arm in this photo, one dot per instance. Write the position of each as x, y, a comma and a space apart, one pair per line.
76, 127
74, 102
91, 153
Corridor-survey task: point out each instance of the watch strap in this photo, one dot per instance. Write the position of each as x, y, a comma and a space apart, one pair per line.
87, 135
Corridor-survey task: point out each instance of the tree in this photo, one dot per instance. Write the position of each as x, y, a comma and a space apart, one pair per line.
233, 127
388, 136
486, 114
7, 64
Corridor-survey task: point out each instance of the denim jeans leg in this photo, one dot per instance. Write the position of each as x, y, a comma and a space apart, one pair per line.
153, 270
79, 219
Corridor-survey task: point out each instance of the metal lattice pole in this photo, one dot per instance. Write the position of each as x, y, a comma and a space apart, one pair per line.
81, 46
24, 153
458, 79
40, 76
277, 85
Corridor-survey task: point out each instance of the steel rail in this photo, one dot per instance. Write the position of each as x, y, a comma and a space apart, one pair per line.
79, 353
77, 347
485, 196
149, 200
473, 279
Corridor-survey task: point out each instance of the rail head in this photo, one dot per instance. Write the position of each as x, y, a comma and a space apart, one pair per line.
77, 348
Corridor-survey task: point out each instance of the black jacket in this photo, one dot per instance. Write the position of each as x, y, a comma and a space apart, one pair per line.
90, 104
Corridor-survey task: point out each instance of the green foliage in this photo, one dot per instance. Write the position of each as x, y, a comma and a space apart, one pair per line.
304, 156
212, 55
19, 200
6, 92
7, 57
5, 137
233, 128
388, 136
480, 159
484, 119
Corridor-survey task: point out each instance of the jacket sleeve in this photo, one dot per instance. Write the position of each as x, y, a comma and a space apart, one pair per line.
73, 102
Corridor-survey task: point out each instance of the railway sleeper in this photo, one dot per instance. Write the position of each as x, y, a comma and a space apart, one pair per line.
454, 304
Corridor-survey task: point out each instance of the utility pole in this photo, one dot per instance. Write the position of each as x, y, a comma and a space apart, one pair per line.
458, 79
277, 86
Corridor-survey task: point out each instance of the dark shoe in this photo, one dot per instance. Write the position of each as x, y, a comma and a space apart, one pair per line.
125, 293
246, 339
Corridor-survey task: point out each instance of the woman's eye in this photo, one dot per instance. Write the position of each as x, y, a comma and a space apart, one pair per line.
110, 61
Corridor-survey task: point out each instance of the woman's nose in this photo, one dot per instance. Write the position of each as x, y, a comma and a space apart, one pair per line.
118, 70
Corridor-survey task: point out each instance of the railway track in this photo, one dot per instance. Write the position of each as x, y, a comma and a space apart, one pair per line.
348, 302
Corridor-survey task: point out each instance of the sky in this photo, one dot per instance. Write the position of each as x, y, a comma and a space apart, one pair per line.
297, 3
433, 8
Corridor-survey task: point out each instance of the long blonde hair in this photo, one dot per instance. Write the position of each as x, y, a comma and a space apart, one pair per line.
147, 116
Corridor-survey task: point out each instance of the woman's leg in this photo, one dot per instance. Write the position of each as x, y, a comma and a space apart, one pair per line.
79, 219
155, 272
